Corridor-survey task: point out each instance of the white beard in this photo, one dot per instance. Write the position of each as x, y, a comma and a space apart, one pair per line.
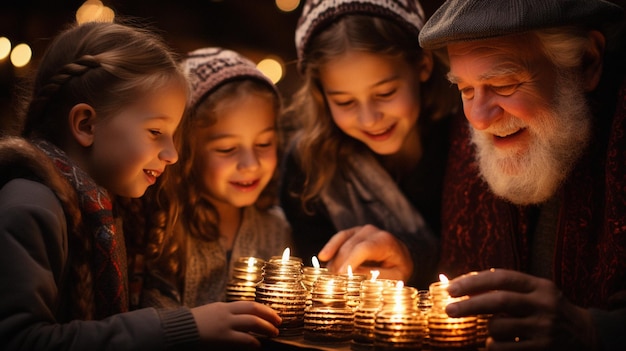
557, 140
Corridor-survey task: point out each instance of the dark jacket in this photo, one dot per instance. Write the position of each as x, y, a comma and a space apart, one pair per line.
422, 188
35, 304
481, 231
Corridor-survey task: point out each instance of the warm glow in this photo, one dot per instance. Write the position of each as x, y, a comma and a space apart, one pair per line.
315, 262
398, 306
21, 55
349, 271
443, 278
272, 68
94, 11
287, 5
286, 255
5, 47
375, 275
251, 261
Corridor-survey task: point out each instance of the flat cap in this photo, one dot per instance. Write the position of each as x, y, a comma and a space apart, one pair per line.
466, 20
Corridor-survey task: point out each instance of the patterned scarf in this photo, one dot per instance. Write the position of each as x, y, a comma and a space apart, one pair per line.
108, 251
369, 195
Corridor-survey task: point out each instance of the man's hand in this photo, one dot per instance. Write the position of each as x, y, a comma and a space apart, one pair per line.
529, 313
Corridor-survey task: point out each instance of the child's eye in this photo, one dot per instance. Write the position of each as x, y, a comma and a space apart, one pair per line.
225, 150
264, 145
387, 94
343, 103
155, 132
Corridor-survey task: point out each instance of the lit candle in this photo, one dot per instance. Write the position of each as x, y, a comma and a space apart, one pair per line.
310, 275
370, 302
315, 262
247, 272
398, 324
374, 275
286, 255
329, 319
446, 332
354, 287
283, 290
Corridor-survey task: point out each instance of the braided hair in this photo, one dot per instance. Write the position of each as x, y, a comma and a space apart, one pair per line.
104, 65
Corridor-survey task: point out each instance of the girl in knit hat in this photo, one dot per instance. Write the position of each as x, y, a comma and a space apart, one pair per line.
218, 203
368, 155
106, 101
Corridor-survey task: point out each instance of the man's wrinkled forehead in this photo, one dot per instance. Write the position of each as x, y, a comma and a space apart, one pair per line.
509, 55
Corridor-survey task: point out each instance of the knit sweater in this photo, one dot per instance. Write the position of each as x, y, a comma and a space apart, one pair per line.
209, 267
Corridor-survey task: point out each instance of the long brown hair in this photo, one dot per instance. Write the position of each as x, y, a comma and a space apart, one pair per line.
320, 145
182, 207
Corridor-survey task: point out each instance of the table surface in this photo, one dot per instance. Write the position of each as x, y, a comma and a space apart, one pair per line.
298, 343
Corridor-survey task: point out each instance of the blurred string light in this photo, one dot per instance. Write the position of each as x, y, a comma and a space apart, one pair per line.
21, 55
272, 67
5, 47
94, 11
287, 5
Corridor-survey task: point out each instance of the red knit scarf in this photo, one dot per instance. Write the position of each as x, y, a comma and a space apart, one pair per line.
108, 258
481, 231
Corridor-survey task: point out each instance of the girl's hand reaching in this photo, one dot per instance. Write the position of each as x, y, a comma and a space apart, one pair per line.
229, 324
365, 248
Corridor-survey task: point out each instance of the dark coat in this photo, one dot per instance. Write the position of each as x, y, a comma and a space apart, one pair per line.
35, 306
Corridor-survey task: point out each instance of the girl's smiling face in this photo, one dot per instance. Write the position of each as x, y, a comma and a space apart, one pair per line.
131, 149
237, 155
374, 98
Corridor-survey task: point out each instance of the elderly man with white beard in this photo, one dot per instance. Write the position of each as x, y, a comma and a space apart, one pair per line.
536, 203
535, 193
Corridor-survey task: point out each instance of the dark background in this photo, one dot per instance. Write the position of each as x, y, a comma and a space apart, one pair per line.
255, 28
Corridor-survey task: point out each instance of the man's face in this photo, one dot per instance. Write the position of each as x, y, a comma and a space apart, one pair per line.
529, 120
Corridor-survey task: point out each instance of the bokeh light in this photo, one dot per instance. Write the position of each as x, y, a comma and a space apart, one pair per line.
21, 55
287, 5
94, 11
5, 47
272, 68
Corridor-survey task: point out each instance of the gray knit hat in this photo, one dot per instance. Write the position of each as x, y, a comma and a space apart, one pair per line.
465, 20
318, 14
209, 68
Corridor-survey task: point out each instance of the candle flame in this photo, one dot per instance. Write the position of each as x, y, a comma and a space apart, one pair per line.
316, 262
443, 278
398, 306
286, 255
251, 261
349, 271
375, 275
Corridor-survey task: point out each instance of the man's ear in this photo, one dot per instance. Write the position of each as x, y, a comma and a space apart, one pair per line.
592, 60
425, 66
82, 118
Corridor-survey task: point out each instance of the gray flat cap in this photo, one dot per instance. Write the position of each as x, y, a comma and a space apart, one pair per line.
465, 20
